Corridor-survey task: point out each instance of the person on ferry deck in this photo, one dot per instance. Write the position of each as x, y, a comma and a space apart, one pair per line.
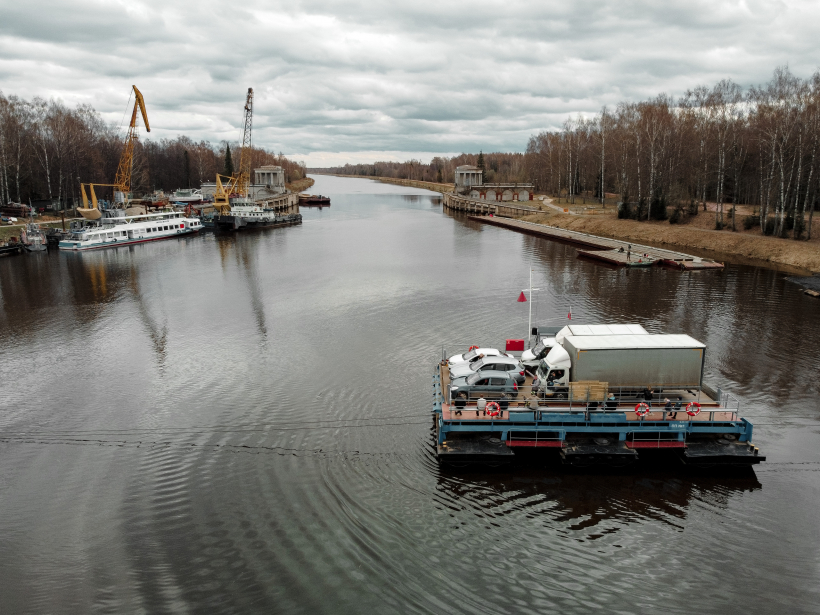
611, 402
647, 395
677, 408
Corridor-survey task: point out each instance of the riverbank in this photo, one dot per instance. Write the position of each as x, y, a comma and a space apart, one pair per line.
787, 254
300, 185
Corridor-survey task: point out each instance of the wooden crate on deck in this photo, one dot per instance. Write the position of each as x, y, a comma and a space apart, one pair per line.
588, 390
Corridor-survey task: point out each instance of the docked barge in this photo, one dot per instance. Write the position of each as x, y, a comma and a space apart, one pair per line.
314, 200
590, 422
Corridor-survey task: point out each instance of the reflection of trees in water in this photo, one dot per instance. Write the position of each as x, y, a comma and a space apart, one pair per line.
28, 283
587, 498
45, 285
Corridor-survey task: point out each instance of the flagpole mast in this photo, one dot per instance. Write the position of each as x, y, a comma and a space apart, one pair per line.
529, 328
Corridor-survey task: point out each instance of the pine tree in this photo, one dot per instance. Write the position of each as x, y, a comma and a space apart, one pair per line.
228, 162
480, 163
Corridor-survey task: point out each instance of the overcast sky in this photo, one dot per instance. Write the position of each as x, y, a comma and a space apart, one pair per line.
358, 81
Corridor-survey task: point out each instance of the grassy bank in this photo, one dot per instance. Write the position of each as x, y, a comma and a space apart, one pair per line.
300, 185
797, 256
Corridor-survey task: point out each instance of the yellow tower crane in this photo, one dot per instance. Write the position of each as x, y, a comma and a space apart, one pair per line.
122, 181
237, 184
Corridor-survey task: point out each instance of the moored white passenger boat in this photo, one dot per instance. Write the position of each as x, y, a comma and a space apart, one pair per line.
187, 196
114, 229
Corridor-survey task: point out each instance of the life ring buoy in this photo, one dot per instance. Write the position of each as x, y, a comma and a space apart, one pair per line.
642, 409
471, 348
496, 411
689, 407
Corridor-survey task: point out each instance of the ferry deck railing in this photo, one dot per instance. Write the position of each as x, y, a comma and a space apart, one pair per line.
626, 400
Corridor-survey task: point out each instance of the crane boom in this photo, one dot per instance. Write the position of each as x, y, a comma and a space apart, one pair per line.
244, 178
238, 183
122, 181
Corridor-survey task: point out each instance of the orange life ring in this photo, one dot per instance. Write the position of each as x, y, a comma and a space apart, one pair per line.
642, 409
495, 412
471, 348
689, 410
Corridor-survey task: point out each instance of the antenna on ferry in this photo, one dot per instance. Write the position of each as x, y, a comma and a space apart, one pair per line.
521, 299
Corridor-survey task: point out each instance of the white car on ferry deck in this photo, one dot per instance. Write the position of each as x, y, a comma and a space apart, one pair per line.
468, 356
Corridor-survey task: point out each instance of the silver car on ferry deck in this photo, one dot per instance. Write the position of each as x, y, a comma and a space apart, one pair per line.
501, 363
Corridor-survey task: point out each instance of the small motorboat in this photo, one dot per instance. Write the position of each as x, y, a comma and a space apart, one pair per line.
33, 238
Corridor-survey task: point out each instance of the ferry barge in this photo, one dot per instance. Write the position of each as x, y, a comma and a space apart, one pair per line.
313, 200
593, 422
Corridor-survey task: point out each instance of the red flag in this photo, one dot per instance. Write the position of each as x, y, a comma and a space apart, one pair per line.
522, 298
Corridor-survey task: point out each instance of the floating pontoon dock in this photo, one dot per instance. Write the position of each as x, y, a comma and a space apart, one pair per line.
611, 251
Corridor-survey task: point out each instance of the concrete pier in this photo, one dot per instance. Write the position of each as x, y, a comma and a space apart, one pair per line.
611, 251
470, 205
287, 203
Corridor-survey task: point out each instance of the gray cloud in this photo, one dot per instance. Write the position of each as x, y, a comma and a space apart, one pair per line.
416, 77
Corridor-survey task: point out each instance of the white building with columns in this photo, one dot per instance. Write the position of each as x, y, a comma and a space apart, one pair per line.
469, 181
268, 181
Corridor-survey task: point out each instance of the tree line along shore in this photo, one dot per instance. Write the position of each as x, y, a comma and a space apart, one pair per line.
743, 162
48, 148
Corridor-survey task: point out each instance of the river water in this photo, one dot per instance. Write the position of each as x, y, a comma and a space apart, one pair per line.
237, 424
